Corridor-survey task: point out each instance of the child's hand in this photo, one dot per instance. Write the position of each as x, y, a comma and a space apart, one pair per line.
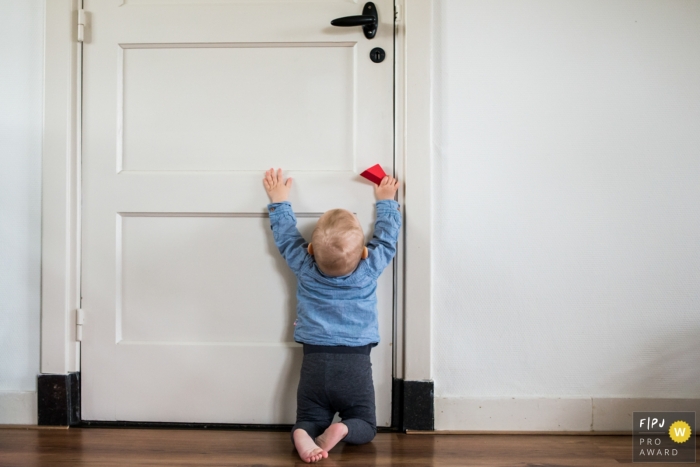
276, 189
386, 188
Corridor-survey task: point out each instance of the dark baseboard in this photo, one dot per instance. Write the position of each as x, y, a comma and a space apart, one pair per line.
58, 398
418, 406
397, 404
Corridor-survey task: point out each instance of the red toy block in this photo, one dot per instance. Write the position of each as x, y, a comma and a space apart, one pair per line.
374, 174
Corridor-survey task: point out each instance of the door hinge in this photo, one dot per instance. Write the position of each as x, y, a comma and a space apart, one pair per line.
81, 25
79, 320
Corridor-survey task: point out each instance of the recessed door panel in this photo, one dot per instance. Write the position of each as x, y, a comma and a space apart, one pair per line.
231, 106
185, 277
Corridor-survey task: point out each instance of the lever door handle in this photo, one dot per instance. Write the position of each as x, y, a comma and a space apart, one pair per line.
360, 20
369, 20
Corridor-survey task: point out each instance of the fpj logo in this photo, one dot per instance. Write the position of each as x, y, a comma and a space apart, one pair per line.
663, 437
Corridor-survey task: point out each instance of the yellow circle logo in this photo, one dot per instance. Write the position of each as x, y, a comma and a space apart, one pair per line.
679, 431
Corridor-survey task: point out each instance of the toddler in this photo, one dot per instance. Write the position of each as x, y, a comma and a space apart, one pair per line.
336, 314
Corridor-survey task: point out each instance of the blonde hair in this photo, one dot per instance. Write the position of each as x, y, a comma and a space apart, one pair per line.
338, 242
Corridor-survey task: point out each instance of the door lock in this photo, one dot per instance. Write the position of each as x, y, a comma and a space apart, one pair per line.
377, 55
369, 20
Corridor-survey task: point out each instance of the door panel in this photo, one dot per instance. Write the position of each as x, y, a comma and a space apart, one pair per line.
191, 296
189, 307
186, 108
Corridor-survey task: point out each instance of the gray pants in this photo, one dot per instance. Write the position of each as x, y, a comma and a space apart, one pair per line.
336, 382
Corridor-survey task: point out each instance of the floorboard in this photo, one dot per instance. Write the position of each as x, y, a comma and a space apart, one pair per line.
158, 447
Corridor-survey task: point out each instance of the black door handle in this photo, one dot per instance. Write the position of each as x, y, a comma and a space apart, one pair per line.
361, 20
369, 20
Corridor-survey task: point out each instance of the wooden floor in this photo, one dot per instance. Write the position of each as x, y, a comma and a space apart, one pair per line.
157, 447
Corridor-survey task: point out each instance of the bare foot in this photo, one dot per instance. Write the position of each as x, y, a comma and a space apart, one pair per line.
332, 436
307, 449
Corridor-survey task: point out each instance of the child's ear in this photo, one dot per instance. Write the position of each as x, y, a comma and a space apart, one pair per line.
365, 253
310, 249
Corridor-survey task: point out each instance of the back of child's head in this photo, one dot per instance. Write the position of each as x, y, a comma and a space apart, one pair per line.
338, 242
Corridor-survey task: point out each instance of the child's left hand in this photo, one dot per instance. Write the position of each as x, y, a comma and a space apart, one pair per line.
276, 188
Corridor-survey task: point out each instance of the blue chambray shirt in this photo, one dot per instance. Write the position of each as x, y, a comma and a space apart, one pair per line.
336, 310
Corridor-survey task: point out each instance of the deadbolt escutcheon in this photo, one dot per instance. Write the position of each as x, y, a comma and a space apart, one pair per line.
377, 55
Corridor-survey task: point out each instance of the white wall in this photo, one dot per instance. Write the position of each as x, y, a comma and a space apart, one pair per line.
21, 61
567, 207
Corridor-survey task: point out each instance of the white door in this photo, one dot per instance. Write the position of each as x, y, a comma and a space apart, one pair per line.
189, 307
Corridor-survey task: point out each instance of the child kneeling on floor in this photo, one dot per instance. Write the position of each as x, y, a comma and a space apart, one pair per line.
336, 314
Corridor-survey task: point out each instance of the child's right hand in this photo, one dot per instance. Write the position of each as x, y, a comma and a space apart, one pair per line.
276, 188
386, 188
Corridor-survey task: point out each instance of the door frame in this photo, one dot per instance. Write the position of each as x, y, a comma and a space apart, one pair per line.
61, 182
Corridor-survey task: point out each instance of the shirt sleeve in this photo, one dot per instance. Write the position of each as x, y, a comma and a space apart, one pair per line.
382, 247
289, 241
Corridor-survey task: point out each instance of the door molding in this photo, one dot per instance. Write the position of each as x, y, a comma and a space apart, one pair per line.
60, 203
61, 155
414, 44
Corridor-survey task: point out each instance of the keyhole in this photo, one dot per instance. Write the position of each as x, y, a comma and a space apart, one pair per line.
377, 55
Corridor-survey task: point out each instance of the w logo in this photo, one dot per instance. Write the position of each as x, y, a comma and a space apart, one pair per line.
679, 431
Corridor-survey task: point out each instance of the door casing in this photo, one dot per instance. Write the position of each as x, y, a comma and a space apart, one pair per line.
61, 182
